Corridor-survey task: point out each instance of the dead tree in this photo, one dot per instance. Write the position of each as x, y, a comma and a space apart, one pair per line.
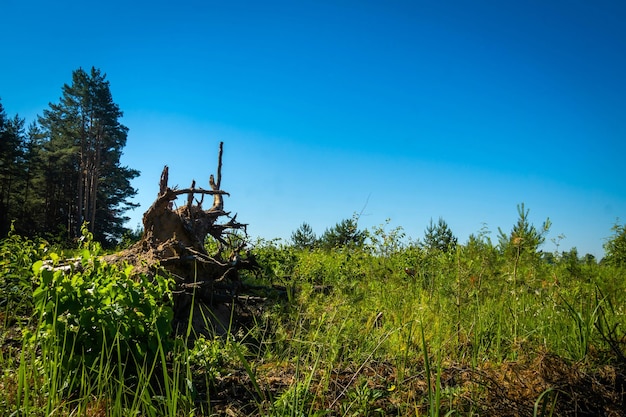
174, 239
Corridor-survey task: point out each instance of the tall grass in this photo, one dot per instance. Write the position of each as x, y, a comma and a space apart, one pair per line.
373, 340
468, 312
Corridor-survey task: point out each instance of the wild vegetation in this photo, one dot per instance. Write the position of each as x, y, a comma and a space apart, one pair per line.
65, 170
374, 325
351, 323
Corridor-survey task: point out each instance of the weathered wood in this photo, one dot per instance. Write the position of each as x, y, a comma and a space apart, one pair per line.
174, 239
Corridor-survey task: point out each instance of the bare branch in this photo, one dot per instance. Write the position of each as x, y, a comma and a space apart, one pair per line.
218, 200
190, 196
163, 182
219, 166
198, 191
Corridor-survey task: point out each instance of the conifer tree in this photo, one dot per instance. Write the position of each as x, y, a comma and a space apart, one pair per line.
11, 163
439, 236
85, 181
615, 246
31, 220
304, 237
344, 233
524, 238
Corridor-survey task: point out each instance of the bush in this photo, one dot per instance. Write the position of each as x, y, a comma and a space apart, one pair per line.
93, 307
615, 247
17, 254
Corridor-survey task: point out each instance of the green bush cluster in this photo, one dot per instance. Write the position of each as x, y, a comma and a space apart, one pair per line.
478, 300
91, 307
409, 309
17, 255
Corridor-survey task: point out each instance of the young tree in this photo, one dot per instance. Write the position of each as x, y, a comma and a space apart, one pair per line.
615, 247
524, 238
522, 244
439, 237
85, 142
344, 233
304, 237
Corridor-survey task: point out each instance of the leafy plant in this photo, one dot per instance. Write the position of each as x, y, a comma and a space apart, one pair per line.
17, 254
212, 356
295, 401
277, 260
443, 330
92, 305
362, 401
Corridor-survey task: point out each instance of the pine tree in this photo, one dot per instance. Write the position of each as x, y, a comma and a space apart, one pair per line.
11, 165
615, 246
344, 233
439, 237
304, 237
84, 179
524, 238
31, 220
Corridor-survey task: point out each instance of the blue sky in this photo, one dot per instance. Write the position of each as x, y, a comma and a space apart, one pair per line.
400, 110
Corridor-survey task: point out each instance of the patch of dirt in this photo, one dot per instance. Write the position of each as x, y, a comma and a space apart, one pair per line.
510, 389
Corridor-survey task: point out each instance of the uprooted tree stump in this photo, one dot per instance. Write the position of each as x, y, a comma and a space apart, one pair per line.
174, 239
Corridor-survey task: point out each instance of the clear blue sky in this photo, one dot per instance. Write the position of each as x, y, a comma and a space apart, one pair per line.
404, 110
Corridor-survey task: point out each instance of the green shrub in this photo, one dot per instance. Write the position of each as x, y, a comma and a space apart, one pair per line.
615, 247
17, 254
96, 307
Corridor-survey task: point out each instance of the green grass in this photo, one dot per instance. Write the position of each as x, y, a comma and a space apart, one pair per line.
458, 337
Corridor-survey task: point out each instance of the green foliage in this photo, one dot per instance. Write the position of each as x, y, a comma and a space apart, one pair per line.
304, 237
84, 146
524, 238
12, 164
295, 401
212, 357
439, 237
277, 260
615, 247
130, 237
481, 255
385, 328
385, 242
92, 306
17, 254
65, 169
344, 233
362, 401
460, 294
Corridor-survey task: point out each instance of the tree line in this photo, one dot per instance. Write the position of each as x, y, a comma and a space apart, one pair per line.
64, 170
522, 242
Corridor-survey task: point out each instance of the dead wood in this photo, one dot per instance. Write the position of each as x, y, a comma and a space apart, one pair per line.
174, 239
